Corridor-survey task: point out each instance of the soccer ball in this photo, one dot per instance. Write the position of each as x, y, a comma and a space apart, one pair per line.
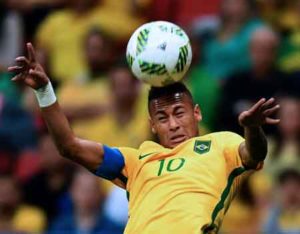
159, 53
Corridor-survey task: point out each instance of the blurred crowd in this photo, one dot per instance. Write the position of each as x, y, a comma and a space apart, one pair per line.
242, 50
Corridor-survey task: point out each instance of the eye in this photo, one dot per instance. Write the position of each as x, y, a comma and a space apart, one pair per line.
179, 114
162, 118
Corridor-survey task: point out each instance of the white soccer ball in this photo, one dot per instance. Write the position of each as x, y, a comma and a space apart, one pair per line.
159, 53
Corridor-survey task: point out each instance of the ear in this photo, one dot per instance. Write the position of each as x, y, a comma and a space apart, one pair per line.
153, 130
197, 113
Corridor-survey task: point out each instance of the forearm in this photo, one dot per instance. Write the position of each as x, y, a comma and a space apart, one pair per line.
59, 128
87, 153
255, 145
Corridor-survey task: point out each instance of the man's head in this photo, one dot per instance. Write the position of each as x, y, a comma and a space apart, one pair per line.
263, 49
86, 192
9, 195
98, 51
173, 115
124, 87
289, 187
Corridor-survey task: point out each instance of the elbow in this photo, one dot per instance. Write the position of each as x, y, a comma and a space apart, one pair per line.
69, 149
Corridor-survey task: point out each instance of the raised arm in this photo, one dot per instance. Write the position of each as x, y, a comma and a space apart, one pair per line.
254, 149
30, 72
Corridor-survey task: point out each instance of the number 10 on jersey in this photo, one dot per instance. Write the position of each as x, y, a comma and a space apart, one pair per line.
172, 165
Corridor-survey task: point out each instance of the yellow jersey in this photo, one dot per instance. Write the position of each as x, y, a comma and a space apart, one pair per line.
186, 189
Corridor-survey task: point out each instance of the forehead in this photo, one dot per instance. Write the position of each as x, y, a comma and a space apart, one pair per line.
170, 102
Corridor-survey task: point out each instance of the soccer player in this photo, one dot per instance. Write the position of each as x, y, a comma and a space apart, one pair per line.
184, 183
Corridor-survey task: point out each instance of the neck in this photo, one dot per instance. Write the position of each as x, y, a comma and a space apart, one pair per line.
124, 112
261, 71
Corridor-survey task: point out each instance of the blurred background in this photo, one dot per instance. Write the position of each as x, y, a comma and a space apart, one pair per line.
242, 50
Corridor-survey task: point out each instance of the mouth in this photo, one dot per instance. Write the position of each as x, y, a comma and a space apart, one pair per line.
178, 139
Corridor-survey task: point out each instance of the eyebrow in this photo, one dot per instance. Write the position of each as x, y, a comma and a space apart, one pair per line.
176, 108
160, 112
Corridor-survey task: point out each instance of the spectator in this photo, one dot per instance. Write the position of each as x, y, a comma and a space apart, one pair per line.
48, 188
62, 34
199, 78
284, 216
87, 216
17, 130
227, 53
92, 86
285, 146
14, 215
122, 124
243, 89
11, 35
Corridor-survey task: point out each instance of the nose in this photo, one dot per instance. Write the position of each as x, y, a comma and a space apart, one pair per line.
174, 126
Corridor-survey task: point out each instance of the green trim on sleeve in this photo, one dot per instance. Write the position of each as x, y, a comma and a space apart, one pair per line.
220, 205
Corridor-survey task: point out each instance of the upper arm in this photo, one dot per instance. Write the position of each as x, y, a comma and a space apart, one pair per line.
231, 149
246, 158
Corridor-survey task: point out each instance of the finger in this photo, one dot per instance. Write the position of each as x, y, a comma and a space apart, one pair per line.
271, 111
268, 103
31, 52
15, 69
257, 105
272, 121
22, 60
18, 77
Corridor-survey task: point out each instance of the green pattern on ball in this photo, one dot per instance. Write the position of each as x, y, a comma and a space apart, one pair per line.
174, 30
152, 68
182, 58
130, 60
142, 40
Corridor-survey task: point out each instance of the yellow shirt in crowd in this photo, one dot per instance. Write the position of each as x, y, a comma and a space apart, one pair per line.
62, 35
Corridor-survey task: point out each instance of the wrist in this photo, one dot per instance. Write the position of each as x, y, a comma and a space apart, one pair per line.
45, 95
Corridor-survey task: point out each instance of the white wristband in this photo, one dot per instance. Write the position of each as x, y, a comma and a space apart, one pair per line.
45, 95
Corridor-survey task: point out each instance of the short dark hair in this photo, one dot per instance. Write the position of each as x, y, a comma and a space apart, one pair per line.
158, 92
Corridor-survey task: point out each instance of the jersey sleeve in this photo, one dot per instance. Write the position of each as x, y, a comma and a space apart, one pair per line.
236, 171
230, 146
118, 164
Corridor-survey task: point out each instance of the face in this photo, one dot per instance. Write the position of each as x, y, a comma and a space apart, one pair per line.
174, 119
9, 194
86, 191
289, 115
124, 86
290, 193
235, 9
263, 49
97, 51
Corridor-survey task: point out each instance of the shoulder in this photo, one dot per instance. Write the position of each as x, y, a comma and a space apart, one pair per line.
224, 138
150, 146
57, 17
222, 134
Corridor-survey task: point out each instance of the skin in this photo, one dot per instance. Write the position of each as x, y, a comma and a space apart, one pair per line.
263, 50
173, 119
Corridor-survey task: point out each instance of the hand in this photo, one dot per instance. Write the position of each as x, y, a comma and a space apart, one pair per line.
28, 70
259, 114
